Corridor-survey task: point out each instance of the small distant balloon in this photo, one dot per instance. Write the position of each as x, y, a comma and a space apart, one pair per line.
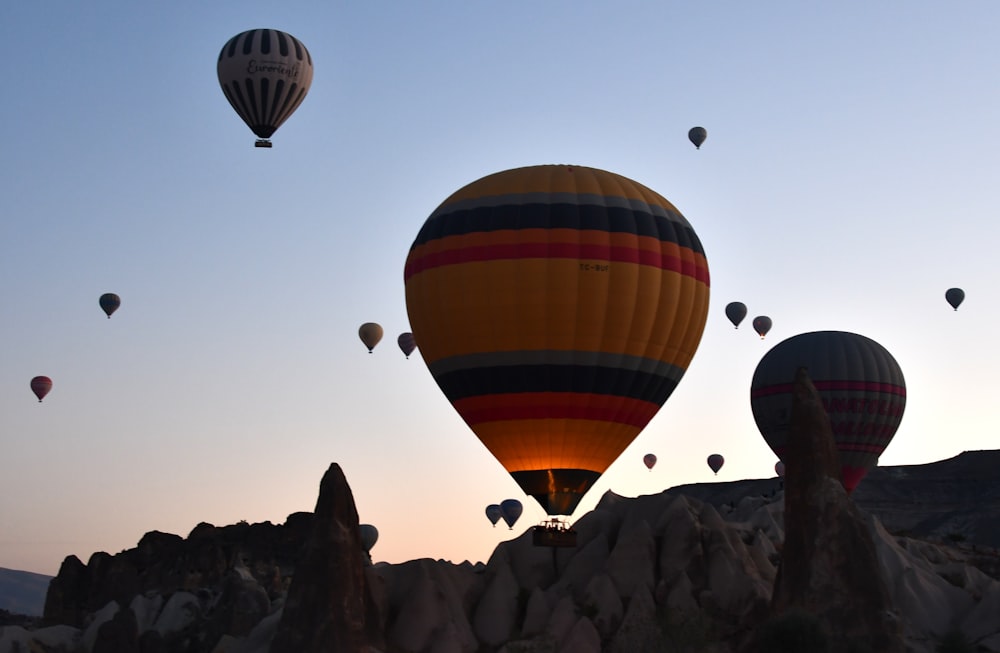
715, 462
494, 513
407, 343
955, 296
697, 135
779, 469
109, 303
736, 311
649, 460
369, 536
41, 385
510, 510
370, 334
762, 324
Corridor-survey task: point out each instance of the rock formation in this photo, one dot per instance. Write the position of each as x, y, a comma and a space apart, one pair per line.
829, 565
328, 602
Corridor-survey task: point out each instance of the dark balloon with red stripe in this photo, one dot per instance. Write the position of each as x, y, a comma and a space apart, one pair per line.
41, 385
557, 307
859, 382
265, 74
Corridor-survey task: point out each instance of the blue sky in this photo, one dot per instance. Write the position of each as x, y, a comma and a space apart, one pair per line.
848, 180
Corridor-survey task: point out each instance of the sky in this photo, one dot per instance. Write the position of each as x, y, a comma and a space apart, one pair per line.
848, 180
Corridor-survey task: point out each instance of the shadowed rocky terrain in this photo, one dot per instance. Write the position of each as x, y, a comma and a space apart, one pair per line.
691, 569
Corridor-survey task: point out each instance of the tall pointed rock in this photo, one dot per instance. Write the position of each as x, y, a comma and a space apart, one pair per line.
829, 565
326, 604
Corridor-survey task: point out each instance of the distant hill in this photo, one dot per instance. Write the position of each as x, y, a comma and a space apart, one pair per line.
23, 592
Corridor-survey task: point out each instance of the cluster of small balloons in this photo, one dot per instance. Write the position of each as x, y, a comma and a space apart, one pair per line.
371, 334
42, 385
509, 510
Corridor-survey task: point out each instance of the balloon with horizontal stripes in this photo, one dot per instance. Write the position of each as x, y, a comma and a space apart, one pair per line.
265, 74
859, 382
557, 307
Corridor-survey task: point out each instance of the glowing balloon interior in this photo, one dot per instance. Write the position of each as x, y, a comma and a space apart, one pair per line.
557, 307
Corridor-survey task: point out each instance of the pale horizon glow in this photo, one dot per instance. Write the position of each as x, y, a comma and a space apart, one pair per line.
847, 181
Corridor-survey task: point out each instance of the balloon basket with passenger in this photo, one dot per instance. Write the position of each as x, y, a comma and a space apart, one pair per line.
553, 533
262, 142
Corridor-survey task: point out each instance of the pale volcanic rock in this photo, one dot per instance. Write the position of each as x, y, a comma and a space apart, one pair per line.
426, 596
146, 608
582, 638
602, 602
495, 617
181, 610
638, 630
590, 559
536, 613
632, 561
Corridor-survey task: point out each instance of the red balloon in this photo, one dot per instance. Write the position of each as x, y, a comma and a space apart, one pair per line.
649, 460
41, 385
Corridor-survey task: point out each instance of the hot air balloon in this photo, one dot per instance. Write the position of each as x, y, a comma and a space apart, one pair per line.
109, 303
762, 324
955, 296
649, 460
715, 462
736, 311
406, 343
510, 510
41, 385
859, 382
369, 536
697, 135
557, 307
494, 513
779, 469
370, 334
265, 75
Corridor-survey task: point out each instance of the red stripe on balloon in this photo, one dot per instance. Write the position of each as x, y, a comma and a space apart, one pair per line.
844, 386
481, 253
555, 405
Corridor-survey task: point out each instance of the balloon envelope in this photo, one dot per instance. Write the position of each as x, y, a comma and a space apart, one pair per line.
510, 510
109, 303
736, 311
649, 460
41, 385
265, 74
370, 334
762, 324
407, 343
779, 469
859, 382
369, 536
954, 296
715, 462
697, 135
557, 307
494, 513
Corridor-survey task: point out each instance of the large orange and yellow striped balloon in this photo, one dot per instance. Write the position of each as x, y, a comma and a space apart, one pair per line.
557, 307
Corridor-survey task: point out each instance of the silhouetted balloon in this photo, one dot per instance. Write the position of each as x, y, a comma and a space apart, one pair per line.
697, 135
859, 382
955, 296
406, 343
494, 513
510, 510
715, 462
41, 385
265, 75
779, 469
762, 324
109, 303
369, 536
649, 460
370, 334
736, 311
557, 307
